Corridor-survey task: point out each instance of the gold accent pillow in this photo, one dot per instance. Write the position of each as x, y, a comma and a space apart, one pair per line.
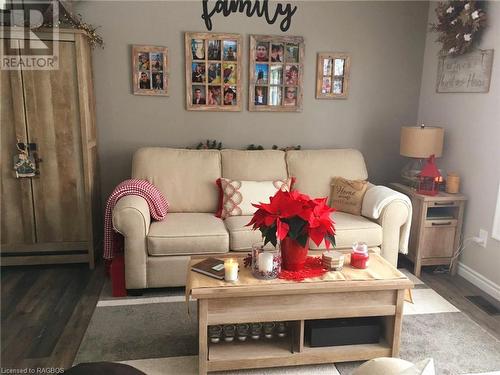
347, 195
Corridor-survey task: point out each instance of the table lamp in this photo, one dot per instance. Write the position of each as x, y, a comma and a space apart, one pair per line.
419, 143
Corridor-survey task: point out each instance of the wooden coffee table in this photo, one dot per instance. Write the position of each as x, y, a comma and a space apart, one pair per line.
376, 291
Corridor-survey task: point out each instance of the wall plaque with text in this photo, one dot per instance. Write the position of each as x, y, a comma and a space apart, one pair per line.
467, 73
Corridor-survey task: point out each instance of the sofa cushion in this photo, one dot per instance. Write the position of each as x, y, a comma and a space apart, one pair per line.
185, 177
241, 237
187, 233
352, 228
314, 169
258, 165
237, 197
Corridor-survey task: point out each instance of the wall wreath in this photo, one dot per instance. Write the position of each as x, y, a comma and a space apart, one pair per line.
459, 24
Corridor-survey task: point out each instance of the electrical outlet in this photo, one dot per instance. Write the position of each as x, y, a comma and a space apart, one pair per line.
482, 239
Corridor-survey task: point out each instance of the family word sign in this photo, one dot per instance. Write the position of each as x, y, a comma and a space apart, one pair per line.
467, 73
250, 8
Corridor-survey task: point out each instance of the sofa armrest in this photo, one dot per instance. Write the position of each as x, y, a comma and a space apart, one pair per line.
391, 219
392, 211
132, 219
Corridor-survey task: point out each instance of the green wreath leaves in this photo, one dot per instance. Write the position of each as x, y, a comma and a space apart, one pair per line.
459, 25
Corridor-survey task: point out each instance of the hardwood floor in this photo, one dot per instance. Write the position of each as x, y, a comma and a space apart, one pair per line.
455, 289
44, 313
46, 309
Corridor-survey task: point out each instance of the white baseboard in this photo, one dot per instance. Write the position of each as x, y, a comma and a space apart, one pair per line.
486, 285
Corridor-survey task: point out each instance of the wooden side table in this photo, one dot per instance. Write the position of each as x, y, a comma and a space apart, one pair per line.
435, 229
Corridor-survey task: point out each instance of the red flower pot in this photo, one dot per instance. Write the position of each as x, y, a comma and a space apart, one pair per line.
293, 255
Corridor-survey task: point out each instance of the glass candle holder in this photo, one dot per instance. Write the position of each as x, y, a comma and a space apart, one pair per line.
229, 332
242, 331
266, 261
214, 333
268, 328
255, 330
280, 329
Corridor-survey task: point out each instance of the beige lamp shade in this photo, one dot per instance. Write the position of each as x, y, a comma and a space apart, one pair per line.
421, 141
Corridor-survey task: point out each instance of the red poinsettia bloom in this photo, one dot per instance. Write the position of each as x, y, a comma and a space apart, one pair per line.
320, 222
294, 215
280, 206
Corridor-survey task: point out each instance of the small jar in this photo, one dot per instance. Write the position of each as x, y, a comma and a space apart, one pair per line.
242, 331
255, 330
359, 255
268, 330
281, 329
214, 333
229, 332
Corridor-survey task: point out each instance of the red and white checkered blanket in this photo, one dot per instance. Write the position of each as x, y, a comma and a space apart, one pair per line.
158, 207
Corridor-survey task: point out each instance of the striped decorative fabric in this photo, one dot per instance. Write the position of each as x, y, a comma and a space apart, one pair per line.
158, 207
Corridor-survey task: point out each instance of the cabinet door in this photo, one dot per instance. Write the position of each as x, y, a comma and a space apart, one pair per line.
438, 242
53, 119
16, 198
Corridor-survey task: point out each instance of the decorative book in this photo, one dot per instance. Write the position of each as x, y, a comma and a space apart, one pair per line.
211, 267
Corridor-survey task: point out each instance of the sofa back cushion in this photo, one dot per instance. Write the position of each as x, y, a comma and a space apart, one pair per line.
186, 177
258, 165
314, 169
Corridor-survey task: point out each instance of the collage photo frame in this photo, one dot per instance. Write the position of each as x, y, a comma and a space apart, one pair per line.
213, 71
150, 71
276, 70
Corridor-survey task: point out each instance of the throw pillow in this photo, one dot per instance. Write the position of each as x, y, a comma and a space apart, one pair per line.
424, 367
236, 197
383, 366
347, 195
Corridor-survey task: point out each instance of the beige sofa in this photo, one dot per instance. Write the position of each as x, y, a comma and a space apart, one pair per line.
156, 253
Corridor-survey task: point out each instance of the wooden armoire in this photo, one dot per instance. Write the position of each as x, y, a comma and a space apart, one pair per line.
53, 217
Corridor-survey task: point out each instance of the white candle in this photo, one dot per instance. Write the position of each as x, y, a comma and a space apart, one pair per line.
230, 270
265, 262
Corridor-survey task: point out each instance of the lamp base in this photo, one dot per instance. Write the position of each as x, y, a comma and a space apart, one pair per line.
410, 172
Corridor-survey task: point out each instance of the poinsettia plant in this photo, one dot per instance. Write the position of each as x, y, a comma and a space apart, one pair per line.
294, 215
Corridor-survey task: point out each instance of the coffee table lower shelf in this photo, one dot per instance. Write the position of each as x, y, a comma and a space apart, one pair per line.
279, 352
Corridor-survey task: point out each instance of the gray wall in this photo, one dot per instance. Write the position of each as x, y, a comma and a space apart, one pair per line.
472, 147
386, 41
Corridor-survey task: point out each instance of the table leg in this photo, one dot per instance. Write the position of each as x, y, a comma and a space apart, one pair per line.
398, 322
203, 340
417, 267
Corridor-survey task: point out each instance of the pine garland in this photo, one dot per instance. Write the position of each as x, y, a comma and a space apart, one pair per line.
459, 25
75, 21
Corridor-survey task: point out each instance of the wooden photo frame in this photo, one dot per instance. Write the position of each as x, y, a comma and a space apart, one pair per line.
150, 70
213, 71
276, 73
333, 75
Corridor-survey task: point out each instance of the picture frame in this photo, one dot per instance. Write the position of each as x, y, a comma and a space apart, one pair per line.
276, 73
333, 75
213, 71
150, 72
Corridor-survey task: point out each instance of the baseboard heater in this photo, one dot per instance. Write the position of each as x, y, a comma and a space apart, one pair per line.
344, 331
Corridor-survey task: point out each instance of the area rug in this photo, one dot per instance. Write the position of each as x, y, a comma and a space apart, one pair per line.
155, 334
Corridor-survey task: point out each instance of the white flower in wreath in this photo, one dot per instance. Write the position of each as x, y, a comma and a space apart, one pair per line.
475, 15
454, 21
449, 10
467, 6
467, 37
451, 50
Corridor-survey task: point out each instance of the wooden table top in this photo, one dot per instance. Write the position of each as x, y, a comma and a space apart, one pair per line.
379, 275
